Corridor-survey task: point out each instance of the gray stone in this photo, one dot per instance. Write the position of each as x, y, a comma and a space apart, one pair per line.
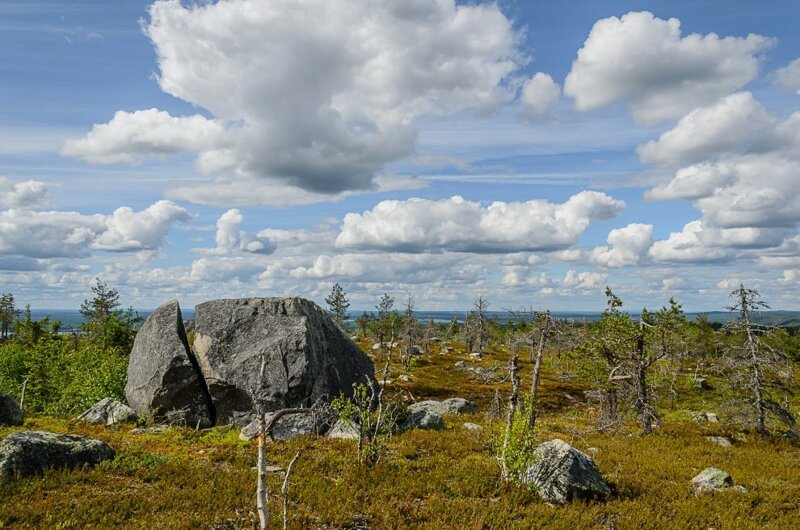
472, 427
162, 372
10, 413
446, 407
307, 356
404, 378
702, 384
108, 411
423, 419
415, 350
460, 364
25, 453
722, 441
711, 479
344, 430
709, 417
287, 427
561, 473
156, 429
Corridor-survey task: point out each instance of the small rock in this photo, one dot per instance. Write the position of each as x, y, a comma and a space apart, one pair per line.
722, 441
343, 430
710, 417
460, 364
25, 453
404, 378
108, 411
711, 479
287, 427
561, 473
157, 429
702, 384
423, 419
476, 355
448, 406
10, 413
472, 426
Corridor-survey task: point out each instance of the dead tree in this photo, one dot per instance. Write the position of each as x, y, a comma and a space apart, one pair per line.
513, 402
759, 362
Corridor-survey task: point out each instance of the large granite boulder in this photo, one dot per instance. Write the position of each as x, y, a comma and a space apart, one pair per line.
25, 453
560, 473
108, 411
163, 375
307, 355
10, 413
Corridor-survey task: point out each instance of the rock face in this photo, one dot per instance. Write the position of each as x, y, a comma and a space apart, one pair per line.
162, 372
10, 413
561, 473
446, 407
711, 479
710, 417
25, 453
307, 356
108, 411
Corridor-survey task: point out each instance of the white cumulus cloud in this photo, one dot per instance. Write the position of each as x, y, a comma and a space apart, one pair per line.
661, 73
456, 224
313, 94
789, 76
626, 246
25, 194
230, 239
539, 94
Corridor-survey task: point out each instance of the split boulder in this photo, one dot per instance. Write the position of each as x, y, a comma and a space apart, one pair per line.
108, 411
163, 375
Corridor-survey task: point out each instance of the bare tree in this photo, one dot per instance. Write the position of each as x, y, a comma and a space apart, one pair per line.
513, 403
758, 361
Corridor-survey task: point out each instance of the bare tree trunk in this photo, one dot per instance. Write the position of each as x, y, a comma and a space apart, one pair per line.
537, 369
285, 491
261, 490
22, 396
756, 382
642, 406
512, 409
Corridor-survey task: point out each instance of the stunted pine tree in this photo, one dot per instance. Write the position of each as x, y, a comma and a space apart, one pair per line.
384, 323
8, 312
761, 369
338, 305
105, 323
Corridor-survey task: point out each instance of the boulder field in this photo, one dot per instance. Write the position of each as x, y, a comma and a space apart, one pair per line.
216, 379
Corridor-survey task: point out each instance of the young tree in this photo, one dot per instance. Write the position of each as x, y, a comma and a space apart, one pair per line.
758, 360
384, 307
8, 313
410, 333
105, 323
363, 323
338, 305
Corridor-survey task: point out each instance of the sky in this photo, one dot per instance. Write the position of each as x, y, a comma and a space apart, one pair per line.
529, 152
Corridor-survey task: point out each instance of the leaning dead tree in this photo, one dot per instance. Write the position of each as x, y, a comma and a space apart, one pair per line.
759, 364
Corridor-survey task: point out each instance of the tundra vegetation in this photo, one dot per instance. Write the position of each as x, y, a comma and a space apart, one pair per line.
633, 390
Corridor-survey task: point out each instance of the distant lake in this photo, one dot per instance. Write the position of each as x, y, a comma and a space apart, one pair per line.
71, 318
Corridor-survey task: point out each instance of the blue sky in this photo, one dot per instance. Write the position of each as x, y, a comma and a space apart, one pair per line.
273, 148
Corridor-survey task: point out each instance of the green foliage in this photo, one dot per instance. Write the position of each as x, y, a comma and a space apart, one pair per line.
338, 304
106, 324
